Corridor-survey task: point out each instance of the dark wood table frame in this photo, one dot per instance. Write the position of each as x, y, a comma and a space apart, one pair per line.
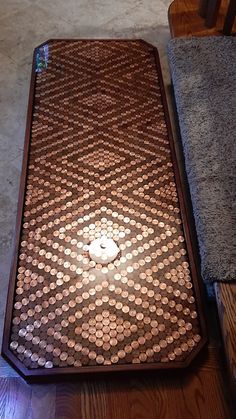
189, 237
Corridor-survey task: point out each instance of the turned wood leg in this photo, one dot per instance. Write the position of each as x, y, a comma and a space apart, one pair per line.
203, 5
229, 19
212, 12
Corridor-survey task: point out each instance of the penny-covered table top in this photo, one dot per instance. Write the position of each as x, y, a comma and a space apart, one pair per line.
99, 164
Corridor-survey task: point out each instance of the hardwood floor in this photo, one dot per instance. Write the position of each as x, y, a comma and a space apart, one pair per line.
19, 400
199, 392
226, 301
184, 19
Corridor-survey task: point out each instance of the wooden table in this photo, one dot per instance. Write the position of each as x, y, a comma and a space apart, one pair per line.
99, 159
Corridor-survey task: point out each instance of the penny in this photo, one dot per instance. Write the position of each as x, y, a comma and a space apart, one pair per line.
133, 328
106, 329
113, 333
114, 359
63, 356
71, 343
149, 352
99, 333
163, 343
85, 351
171, 356
142, 357
92, 355
134, 344
184, 347
190, 343
85, 326
70, 360
48, 364
98, 317
106, 338
138, 301
34, 357
27, 353
132, 313
120, 328
41, 361
14, 345
106, 346
120, 337
35, 340
64, 323
56, 352
100, 359
139, 316
141, 340
113, 342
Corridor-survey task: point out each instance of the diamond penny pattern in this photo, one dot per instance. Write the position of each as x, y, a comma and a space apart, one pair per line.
100, 163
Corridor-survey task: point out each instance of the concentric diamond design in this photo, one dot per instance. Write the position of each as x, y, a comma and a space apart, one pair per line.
100, 163
102, 159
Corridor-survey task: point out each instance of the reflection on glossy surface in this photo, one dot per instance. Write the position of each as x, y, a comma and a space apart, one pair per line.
103, 250
41, 59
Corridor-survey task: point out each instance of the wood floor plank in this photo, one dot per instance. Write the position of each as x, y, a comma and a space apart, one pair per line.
6, 370
204, 398
15, 399
142, 399
205, 395
115, 398
118, 397
226, 302
68, 401
19, 400
175, 403
43, 398
93, 400
196, 393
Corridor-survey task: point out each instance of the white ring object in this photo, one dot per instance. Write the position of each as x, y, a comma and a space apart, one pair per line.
103, 250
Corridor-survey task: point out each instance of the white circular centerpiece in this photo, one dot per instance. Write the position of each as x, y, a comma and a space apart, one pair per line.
103, 250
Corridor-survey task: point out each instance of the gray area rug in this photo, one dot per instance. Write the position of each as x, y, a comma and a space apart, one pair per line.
203, 73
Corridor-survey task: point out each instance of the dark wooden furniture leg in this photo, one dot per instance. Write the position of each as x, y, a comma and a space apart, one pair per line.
226, 304
212, 12
229, 19
203, 5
